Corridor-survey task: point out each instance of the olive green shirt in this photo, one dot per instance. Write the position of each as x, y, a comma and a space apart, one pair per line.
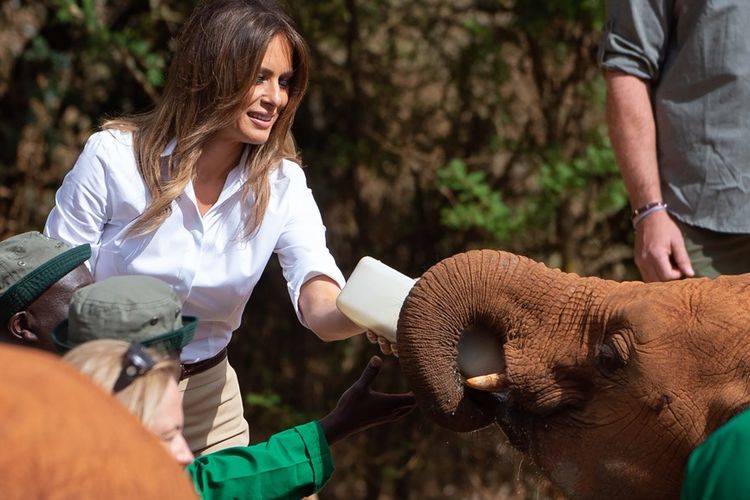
719, 468
696, 54
292, 464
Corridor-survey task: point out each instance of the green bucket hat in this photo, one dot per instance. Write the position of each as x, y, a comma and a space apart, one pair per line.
130, 308
30, 263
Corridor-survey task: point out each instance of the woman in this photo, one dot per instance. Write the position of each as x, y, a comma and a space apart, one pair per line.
202, 190
116, 366
291, 464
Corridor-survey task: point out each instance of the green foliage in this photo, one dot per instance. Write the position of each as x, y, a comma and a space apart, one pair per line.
474, 203
271, 406
588, 13
263, 400
561, 178
125, 47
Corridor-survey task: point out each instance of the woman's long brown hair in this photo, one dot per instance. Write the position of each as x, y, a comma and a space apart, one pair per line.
219, 54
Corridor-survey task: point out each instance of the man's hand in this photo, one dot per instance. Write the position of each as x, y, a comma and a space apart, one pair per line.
360, 407
660, 252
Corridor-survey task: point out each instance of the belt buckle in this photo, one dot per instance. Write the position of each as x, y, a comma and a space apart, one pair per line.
190, 369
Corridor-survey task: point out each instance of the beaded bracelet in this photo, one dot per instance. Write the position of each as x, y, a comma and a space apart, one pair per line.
641, 213
645, 207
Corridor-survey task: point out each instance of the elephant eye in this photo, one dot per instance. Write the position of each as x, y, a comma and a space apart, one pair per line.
607, 359
613, 354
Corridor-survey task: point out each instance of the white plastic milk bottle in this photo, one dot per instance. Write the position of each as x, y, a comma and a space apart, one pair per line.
373, 296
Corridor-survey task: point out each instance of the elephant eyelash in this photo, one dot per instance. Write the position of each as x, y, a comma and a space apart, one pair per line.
609, 358
614, 351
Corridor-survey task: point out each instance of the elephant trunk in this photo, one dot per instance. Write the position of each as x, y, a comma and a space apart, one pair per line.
459, 315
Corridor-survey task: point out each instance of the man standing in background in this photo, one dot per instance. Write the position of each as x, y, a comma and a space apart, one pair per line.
678, 110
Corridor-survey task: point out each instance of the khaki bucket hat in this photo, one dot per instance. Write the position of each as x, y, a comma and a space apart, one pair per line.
130, 308
30, 263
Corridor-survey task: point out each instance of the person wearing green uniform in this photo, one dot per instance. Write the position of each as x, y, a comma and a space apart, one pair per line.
292, 464
122, 312
719, 468
38, 275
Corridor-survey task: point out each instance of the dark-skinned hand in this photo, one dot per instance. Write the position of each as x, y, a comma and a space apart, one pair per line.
360, 407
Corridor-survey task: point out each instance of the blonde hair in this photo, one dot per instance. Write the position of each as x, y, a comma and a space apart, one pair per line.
101, 360
219, 54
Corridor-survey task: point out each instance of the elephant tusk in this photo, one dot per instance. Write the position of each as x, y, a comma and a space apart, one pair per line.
493, 382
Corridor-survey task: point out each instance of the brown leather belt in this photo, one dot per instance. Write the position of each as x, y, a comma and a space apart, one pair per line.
190, 369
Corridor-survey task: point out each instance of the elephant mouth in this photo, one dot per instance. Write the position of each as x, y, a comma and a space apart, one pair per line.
518, 410
480, 351
515, 423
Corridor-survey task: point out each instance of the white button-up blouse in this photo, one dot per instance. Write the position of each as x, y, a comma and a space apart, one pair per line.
206, 260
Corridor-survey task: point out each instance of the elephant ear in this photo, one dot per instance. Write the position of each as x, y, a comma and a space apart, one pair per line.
450, 299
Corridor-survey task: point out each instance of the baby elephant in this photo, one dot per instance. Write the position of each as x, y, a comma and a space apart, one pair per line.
607, 386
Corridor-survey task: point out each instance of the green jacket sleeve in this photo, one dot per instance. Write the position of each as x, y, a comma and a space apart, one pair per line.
719, 468
291, 464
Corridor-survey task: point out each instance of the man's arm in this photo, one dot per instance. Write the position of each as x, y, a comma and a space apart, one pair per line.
659, 252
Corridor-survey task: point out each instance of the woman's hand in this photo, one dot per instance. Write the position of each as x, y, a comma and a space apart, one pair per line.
386, 346
360, 407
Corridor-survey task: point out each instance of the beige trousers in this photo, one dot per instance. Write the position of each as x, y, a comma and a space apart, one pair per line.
214, 416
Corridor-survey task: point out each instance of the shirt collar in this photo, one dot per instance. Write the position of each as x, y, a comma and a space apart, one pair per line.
236, 174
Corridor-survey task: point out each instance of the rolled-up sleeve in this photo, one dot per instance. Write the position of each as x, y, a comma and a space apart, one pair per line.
80, 210
301, 246
291, 464
635, 36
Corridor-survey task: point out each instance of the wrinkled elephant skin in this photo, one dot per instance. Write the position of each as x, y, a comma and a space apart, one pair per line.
607, 386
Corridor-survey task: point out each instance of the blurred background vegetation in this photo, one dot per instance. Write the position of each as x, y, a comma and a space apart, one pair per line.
430, 128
